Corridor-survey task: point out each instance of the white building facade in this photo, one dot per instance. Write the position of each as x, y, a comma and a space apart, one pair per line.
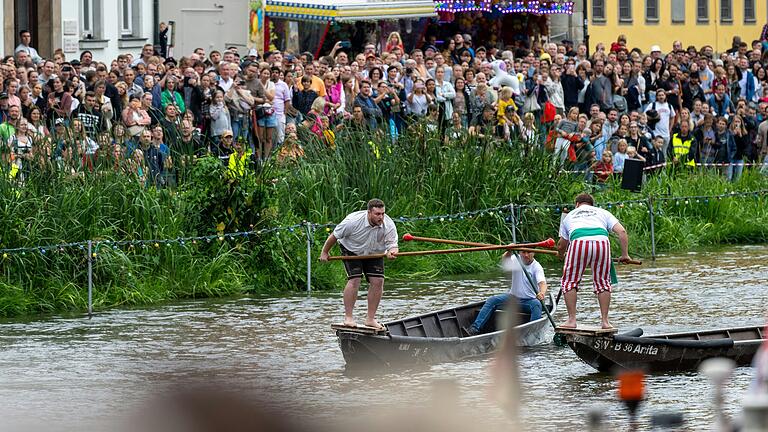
104, 27
211, 25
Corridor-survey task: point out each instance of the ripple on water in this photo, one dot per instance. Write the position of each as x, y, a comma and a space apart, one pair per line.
284, 348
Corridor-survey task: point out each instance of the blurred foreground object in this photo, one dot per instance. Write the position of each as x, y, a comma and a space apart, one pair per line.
718, 370
756, 402
632, 389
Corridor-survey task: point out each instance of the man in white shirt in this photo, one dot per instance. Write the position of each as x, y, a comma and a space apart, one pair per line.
706, 76
364, 232
281, 103
611, 124
226, 73
147, 51
26, 39
527, 296
749, 85
666, 117
49, 68
584, 242
440, 64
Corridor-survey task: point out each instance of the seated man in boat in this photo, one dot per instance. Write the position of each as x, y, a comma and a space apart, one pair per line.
525, 295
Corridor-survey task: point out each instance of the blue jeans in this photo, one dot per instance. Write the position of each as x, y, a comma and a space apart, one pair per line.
733, 172
530, 306
240, 127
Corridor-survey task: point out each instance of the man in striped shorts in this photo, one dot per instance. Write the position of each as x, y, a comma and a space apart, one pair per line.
584, 235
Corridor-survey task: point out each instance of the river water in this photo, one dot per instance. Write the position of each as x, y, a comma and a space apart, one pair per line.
80, 374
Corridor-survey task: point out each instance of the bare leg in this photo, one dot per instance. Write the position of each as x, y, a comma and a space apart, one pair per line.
375, 290
604, 299
268, 142
260, 146
350, 297
570, 306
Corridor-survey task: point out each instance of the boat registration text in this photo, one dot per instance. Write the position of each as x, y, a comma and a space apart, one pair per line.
608, 344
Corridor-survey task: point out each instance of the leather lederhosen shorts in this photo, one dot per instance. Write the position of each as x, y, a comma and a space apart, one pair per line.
357, 268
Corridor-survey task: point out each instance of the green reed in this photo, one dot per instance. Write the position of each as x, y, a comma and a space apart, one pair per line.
419, 175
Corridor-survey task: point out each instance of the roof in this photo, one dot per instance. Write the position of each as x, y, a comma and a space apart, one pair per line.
349, 10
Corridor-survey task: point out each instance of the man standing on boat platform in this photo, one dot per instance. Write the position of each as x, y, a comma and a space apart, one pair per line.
364, 232
527, 296
584, 242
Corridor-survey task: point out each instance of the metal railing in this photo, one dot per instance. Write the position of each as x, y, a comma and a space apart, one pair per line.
513, 211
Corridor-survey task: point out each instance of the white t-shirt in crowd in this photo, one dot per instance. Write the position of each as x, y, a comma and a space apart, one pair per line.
666, 112
586, 216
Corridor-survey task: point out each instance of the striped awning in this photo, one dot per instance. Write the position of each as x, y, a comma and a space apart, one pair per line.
361, 10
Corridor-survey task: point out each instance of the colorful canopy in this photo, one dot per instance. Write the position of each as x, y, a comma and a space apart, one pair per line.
349, 10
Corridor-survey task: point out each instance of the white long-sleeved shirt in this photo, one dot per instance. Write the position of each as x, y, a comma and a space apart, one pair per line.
357, 234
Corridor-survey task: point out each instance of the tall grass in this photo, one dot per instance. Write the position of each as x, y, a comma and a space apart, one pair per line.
424, 176
55, 207
418, 175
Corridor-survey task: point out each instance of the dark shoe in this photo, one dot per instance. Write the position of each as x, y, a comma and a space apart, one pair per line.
467, 332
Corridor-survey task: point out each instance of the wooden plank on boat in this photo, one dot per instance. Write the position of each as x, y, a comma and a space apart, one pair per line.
587, 331
360, 328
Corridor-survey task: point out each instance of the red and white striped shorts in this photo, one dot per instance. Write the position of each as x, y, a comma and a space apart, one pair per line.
583, 253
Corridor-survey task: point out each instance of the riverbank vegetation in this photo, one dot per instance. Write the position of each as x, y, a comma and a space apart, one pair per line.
419, 176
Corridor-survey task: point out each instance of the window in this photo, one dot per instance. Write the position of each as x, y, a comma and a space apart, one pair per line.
625, 11
749, 11
726, 11
90, 19
598, 10
126, 26
651, 10
702, 11
130, 18
87, 16
678, 11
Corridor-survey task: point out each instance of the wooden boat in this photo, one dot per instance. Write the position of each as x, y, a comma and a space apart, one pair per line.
663, 352
436, 337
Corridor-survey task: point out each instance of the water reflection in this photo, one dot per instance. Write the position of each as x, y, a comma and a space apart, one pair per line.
71, 371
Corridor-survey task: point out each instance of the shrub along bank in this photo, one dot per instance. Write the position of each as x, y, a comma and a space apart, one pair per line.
418, 176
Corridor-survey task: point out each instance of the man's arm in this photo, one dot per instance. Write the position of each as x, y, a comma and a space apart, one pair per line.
329, 242
335, 48
623, 241
562, 247
671, 118
390, 242
542, 290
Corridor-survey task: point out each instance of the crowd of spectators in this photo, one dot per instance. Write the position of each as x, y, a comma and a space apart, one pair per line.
591, 110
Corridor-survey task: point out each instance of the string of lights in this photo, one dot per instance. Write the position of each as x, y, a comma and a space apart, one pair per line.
503, 211
505, 6
664, 164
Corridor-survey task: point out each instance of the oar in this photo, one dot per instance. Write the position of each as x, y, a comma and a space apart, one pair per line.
559, 341
410, 237
442, 251
548, 243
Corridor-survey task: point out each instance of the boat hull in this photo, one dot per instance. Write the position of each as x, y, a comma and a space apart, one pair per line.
662, 353
398, 350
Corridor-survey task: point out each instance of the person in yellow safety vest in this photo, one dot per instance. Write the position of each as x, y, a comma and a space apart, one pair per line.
14, 171
681, 144
238, 161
